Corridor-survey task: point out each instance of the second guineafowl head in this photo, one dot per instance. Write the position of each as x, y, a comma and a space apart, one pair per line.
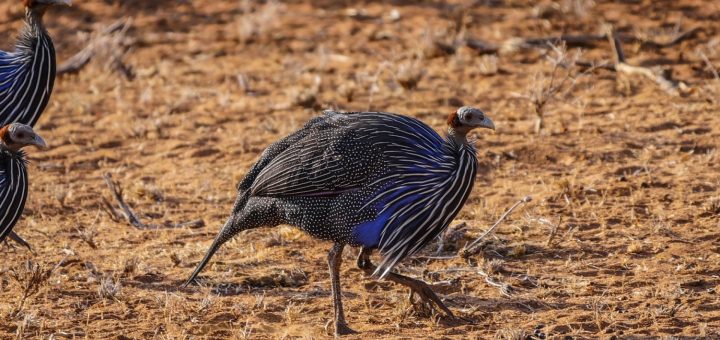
13, 173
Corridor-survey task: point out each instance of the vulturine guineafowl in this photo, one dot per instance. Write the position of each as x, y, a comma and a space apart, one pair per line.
27, 75
369, 179
13, 174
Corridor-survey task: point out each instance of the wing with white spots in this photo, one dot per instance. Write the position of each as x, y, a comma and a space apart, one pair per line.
330, 159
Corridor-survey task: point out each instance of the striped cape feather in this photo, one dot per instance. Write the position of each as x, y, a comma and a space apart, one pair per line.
27, 76
13, 189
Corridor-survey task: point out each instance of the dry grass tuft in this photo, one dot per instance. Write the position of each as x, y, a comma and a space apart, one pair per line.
31, 277
109, 288
512, 334
546, 87
636, 247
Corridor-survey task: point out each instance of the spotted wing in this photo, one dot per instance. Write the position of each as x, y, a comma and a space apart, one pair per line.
332, 158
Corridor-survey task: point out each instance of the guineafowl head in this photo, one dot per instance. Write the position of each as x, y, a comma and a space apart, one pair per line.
17, 136
467, 118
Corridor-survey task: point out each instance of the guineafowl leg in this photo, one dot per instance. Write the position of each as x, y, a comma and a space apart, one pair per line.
15, 237
334, 261
416, 286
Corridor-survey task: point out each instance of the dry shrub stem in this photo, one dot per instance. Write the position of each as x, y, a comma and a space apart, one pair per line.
542, 90
30, 277
471, 249
673, 88
130, 215
580, 40
108, 41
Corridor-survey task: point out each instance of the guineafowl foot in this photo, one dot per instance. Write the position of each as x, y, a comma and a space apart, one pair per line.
341, 328
422, 290
416, 286
19, 240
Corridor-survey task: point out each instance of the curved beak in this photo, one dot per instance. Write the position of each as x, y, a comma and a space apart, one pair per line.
487, 123
39, 142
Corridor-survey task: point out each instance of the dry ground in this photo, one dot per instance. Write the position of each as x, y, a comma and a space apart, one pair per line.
622, 237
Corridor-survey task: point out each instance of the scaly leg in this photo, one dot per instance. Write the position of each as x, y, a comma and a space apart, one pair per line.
418, 287
334, 261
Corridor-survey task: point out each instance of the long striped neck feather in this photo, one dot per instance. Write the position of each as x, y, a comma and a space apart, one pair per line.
34, 26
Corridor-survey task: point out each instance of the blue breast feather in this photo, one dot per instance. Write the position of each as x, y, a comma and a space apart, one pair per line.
10, 67
418, 164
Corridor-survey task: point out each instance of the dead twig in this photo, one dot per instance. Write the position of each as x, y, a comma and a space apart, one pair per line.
621, 66
680, 37
505, 289
31, 277
553, 231
109, 41
130, 215
592, 65
113, 212
570, 40
116, 191
470, 249
546, 88
709, 66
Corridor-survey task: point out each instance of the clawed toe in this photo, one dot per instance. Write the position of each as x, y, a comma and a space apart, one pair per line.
460, 320
427, 295
343, 329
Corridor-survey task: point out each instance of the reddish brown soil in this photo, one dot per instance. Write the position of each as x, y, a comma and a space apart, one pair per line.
623, 172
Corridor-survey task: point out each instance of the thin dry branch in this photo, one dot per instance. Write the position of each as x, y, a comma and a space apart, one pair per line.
116, 191
505, 289
571, 40
546, 88
673, 88
31, 277
680, 37
111, 41
584, 64
130, 215
470, 249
